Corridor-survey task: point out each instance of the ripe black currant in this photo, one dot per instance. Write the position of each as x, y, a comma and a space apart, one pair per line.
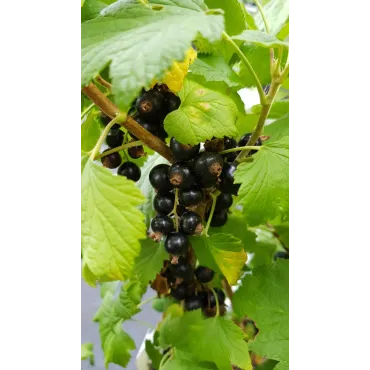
151, 106
230, 143
191, 223
106, 119
180, 176
193, 303
152, 128
176, 244
114, 138
204, 274
227, 179
281, 254
158, 178
224, 201
162, 224
130, 170
180, 292
208, 167
164, 203
191, 197
220, 295
183, 152
244, 140
172, 101
161, 133
136, 152
219, 218
182, 270
112, 160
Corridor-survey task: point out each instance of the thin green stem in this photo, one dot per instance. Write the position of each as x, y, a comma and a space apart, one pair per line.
175, 209
214, 200
119, 148
284, 74
164, 359
217, 303
244, 59
144, 323
260, 8
237, 149
278, 62
117, 119
146, 301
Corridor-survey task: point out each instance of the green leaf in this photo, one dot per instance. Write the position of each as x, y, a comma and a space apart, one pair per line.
283, 365
216, 339
283, 232
264, 297
91, 9
161, 304
87, 353
278, 109
121, 35
203, 113
111, 224
278, 129
268, 365
153, 353
110, 286
221, 252
264, 182
146, 188
215, 68
277, 13
150, 260
261, 38
182, 361
90, 132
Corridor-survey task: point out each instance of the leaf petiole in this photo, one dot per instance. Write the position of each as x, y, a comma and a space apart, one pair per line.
241, 148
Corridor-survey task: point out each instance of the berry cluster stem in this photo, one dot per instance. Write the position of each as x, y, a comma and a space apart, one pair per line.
119, 148
214, 200
217, 303
237, 149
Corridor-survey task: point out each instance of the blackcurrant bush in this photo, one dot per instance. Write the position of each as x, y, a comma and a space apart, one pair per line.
130, 170
227, 179
244, 140
191, 197
220, 295
193, 303
180, 176
183, 270
136, 152
172, 101
219, 218
224, 201
183, 152
112, 160
191, 223
230, 143
158, 178
164, 203
114, 138
106, 119
281, 254
180, 292
151, 106
204, 274
176, 244
162, 224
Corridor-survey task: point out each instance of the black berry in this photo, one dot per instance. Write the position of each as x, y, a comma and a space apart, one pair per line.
230, 143
136, 152
204, 274
183, 152
130, 170
220, 295
219, 218
114, 138
161, 133
208, 167
172, 101
191, 223
180, 292
183, 270
227, 179
180, 176
158, 178
283, 255
191, 197
244, 140
176, 244
162, 224
164, 203
151, 106
224, 201
106, 119
152, 128
112, 160
193, 303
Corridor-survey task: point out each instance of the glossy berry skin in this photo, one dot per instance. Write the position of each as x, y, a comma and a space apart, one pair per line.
224, 201
106, 119
183, 270
204, 274
158, 178
176, 244
152, 128
130, 170
180, 176
220, 295
191, 223
208, 166
282, 255
180, 292
164, 203
136, 152
114, 138
191, 197
172, 102
151, 106
230, 143
227, 179
183, 152
162, 224
244, 140
111, 160
219, 218
193, 303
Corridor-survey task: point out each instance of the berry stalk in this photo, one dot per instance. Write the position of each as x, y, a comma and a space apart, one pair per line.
237, 149
217, 302
214, 200
119, 148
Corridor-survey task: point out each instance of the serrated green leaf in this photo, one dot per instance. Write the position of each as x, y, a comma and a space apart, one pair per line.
276, 13
264, 297
203, 114
111, 224
221, 252
182, 361
87, 353
153, 353
284, 32
216, 339
278, 129
260, 38
110, 286
150, 260
91, 9
90, 132
121, 34
264, 182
